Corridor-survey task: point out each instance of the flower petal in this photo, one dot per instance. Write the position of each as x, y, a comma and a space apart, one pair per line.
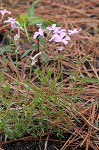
36, 35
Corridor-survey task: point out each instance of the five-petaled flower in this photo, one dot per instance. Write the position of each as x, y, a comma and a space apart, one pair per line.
40, 32
3, 12
14, 25
53, 28
13, 22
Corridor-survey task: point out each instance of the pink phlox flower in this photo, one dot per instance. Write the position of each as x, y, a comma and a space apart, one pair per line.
62, 33
40, 32
75, 31
3, 12
65, 40
53, 28
13, 22
14, 25
56, 38
56, 29
60, 36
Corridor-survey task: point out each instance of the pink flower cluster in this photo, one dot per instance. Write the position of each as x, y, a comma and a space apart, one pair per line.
59, 35
3, 12
13, 22
14, 25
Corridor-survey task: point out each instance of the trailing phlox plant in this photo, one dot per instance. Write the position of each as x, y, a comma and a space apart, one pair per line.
58, 35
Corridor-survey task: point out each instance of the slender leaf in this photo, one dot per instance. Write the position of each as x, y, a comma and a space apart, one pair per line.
41, 41
90, 80
26, 31
44, 57
23, 19
4, 49
23, 16
35, 20
31, 9
47, 23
